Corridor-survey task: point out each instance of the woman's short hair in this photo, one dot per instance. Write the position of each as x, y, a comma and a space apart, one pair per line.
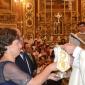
7, 36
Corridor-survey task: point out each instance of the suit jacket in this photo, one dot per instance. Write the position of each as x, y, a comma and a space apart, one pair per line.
8, 83
26, 63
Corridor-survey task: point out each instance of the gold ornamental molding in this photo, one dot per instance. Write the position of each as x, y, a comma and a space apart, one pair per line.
29, 22
7, 18
29, 6
29, 18
83, 10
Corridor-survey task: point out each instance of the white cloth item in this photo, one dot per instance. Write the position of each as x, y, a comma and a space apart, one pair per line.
56, 54
76, 55
74, 41
62, 59
78, 73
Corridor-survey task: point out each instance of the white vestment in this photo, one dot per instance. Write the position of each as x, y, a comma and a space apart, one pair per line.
74, 40
77, 39
78, 72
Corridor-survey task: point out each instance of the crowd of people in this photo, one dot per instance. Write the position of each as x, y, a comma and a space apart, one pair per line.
24, 63
10, 48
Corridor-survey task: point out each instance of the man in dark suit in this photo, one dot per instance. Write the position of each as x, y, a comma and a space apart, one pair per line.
26, 62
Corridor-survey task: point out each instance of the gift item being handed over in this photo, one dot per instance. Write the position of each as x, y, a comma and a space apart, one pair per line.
62, 58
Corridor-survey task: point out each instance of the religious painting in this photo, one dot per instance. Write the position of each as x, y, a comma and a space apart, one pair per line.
5, 5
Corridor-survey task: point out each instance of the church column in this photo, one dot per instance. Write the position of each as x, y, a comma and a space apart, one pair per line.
51, 15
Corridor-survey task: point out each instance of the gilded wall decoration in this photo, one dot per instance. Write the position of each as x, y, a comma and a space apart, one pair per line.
29, 18
8, 25
5, 5
29, 6
29, 22
83, 10
29, 14
48, 23
7, 18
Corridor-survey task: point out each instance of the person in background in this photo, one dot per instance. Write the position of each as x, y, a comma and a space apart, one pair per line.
63, 41
78, 66
25, 61
10, 48
80, 34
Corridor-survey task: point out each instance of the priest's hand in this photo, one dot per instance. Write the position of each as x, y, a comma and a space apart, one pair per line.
69, 48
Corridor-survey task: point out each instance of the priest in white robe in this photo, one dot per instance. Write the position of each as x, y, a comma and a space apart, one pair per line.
78, 39
78, 67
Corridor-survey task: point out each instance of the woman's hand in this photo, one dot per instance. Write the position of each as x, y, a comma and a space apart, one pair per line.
52, 67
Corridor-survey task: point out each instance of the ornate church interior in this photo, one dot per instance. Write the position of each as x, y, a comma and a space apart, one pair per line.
49, 21
47, 18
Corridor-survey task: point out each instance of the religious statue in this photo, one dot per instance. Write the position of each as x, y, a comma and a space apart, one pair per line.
58, 24
58, 16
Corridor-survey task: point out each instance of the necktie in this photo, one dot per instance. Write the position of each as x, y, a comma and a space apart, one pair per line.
24, 57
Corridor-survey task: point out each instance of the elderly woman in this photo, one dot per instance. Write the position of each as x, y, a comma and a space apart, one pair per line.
10, 47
